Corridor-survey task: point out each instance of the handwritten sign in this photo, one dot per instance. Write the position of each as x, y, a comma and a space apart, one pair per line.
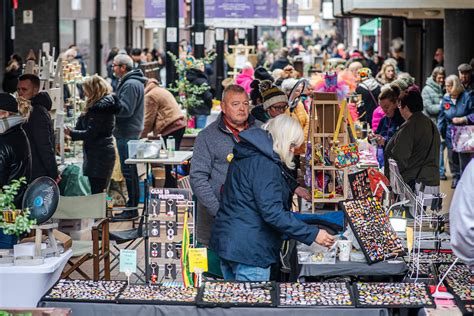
128, 261
197, 259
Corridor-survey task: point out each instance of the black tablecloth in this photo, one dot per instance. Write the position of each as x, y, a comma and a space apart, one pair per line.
387, 268
101, 309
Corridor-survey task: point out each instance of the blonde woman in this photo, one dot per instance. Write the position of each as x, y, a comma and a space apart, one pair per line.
387, 74
255, 206
94, 127
456, 109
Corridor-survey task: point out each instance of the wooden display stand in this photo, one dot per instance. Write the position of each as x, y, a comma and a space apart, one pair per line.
324, 115
239, 56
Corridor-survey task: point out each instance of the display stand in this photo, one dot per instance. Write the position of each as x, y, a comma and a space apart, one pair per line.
324, 115
239, 56
425, 209
39, 238
166, 222
50, 73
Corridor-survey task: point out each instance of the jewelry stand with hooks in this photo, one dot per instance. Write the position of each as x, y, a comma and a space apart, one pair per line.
419, 204
164, 223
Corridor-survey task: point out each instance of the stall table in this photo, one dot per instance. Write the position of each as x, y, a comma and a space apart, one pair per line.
351, 268
23, 286
99, 309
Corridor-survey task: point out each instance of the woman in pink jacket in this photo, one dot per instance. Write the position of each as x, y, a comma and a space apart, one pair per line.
245, 78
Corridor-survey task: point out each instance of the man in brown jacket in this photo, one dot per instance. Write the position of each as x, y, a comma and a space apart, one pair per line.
163, 116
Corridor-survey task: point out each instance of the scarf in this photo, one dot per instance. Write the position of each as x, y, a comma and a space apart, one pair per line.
11, 121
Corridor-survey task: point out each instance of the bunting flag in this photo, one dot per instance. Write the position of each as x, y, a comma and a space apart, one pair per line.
186, 274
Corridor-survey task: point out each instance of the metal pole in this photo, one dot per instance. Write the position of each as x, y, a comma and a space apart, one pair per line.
98, 37
284, 28
172, 38
9, 29
220, 75
199, 28
230, 37
128, 24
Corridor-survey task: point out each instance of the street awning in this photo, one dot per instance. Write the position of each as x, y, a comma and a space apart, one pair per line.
369, 28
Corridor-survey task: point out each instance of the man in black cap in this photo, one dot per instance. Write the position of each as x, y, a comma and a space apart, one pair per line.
465, 75
39, 127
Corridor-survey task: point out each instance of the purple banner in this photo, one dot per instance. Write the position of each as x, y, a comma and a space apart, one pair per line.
156, 9
242, 9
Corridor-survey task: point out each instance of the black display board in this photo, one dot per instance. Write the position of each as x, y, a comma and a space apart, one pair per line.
372, 228
458, 281
360, 184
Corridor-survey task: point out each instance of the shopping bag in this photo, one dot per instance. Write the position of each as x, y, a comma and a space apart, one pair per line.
348, 154
73, 182
463, 138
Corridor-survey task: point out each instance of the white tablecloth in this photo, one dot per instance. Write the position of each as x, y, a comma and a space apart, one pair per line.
23, 286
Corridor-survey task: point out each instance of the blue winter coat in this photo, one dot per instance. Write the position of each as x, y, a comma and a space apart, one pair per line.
463, 107
254, 212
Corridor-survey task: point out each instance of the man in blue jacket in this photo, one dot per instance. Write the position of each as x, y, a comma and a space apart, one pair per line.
212, 155
129, 122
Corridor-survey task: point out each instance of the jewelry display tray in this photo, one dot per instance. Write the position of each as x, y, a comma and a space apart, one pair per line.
201, 303
359, 240
357, 299
353, 305
72, 300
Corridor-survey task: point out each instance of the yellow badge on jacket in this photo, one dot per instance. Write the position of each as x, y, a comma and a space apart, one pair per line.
230, 157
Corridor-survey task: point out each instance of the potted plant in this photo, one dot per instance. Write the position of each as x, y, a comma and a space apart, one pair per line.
187, 94
13, 221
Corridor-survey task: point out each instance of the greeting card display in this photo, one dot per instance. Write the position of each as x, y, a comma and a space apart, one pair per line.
158, 294
84, 291
395, 295
373, 230
315, 294
228, 294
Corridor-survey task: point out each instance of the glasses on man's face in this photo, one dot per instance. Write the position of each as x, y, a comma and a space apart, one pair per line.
280, 108
116, 65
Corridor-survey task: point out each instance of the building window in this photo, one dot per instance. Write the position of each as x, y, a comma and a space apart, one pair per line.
304, 4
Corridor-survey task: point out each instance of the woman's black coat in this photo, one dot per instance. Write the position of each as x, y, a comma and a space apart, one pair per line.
95, 128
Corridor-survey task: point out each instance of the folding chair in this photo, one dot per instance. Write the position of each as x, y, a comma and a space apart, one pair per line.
132, 239
97, 249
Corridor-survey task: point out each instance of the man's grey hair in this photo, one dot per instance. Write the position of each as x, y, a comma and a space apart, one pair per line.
125, 60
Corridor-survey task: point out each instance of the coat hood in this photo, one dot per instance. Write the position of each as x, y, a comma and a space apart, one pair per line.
194, 74
255, 141
136, 74
369, 84
150, 84
42, 99
107, 104
433, 85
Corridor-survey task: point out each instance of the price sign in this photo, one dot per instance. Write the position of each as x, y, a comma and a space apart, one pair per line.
128, 261
197, 259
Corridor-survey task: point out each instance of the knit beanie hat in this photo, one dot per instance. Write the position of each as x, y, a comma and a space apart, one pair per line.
262, 74
8, 103
271, 94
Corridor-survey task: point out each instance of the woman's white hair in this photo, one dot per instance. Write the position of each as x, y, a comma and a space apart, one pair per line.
458, 88
288, 84
285, 131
